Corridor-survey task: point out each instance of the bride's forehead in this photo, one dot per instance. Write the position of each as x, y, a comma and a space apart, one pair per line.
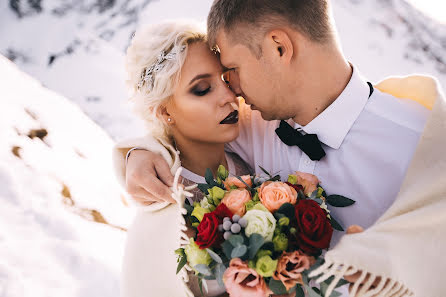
201, 57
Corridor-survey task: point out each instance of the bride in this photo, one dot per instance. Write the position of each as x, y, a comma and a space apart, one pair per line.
178, 90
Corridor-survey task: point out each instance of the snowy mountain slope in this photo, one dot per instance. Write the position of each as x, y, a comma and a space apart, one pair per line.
388, 37
77, 47
62, 215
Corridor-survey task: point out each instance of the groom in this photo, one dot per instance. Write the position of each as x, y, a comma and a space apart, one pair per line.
284, 58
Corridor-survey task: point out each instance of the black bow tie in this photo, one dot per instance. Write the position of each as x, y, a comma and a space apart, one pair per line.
308, 143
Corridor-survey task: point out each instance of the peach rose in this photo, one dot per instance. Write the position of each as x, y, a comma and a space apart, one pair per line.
308, 181
290, 267
240, 280
235, 200
274, 194
233, 181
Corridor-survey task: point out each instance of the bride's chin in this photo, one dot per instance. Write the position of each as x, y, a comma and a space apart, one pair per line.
230, 134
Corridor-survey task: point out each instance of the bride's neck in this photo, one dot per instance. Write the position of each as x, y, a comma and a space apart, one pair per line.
198, 156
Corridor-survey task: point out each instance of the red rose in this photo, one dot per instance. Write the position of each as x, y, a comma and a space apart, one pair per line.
222, 211
296, 187
314, 230
207, 231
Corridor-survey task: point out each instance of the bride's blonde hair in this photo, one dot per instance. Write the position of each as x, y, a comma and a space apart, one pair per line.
148, 43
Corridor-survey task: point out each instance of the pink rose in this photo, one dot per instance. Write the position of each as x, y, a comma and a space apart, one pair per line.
233, 181
274, 194
308, 181
235, 200
290, 267
240, 280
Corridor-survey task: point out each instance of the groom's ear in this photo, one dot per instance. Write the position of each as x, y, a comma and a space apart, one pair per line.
281, 42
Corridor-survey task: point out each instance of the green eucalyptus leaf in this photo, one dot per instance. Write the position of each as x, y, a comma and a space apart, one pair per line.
319, 262
339, 201
227, 248
214, 256
324, 287
255, 243
200, 285
318, 200
335, 294
341, 283
311, 292
277, 287
236, 240
203, 269
239, 251
314, 194
219, 270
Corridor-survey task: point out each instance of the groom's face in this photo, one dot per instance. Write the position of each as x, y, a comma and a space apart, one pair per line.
254, 78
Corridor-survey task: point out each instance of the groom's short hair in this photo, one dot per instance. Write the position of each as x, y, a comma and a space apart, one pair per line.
247, 20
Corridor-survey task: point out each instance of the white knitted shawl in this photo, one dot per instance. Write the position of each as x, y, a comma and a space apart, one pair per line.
403, 249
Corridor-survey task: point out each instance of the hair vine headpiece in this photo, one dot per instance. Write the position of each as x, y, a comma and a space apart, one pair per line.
147, 73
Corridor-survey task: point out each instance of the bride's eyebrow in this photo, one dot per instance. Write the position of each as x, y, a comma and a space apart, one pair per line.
200, 76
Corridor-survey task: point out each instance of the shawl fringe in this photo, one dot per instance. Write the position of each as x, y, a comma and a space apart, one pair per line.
386, 287
179, 193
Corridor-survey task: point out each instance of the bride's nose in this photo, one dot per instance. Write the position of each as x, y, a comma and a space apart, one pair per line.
226, 96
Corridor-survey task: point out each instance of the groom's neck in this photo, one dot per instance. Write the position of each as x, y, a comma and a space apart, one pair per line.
327, 76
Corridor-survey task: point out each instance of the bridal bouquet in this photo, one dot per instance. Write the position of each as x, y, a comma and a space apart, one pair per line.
259, 236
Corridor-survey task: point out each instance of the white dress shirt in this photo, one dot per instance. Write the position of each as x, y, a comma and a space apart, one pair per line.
369, 143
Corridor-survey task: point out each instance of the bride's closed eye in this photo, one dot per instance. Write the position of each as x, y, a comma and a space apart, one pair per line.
201, 89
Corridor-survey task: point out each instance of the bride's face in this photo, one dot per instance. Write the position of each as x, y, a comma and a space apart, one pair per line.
201, 108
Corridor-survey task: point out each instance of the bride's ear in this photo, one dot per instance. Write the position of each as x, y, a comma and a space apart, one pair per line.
163, 113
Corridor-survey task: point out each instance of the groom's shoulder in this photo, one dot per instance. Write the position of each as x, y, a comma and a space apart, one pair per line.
406, 113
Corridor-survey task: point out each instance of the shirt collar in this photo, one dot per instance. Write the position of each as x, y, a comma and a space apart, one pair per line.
333, 124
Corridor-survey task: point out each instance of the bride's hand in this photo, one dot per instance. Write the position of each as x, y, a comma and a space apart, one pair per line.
148, 178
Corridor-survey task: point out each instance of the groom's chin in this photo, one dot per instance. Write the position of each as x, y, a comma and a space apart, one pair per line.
266, 116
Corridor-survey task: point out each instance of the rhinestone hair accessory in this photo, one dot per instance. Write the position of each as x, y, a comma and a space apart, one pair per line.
147, 75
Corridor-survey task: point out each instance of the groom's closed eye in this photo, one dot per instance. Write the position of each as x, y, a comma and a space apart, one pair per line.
226, 76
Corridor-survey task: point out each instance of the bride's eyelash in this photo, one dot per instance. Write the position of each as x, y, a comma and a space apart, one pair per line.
199, 92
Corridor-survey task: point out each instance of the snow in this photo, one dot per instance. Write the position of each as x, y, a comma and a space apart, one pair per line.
63, 214
50, 243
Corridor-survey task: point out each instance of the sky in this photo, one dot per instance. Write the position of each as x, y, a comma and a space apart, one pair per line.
433, 8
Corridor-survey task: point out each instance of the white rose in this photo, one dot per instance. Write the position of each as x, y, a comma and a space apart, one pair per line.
260, 222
